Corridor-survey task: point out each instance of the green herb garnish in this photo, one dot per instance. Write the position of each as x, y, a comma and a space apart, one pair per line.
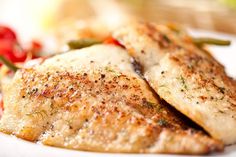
162, 122
9, 64
41, 113
149, 104
166, 38
81, 43
109, 69
159, 109
182, 80
211, 41
174, 28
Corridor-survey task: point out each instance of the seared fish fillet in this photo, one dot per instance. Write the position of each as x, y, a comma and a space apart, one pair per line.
185, 76
91, 99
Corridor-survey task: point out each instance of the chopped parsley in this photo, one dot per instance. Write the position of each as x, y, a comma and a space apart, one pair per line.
162, 122
182, 80
149, 104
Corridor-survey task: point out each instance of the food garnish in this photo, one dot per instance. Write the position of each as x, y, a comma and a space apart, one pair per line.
211, 41
8, 63
11, 51
81, 43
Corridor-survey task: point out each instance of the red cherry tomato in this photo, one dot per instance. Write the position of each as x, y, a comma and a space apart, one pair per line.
12, 50
19, 54
36, 46
111, 40
7, 33
6, 46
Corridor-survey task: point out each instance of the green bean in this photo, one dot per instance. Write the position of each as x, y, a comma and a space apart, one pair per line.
81, 43
211, 41
9, 64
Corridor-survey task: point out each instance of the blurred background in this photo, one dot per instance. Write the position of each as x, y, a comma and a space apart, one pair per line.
54, 22
41, 15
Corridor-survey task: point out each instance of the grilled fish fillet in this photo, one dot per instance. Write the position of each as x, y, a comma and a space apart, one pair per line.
91, 99
185, 76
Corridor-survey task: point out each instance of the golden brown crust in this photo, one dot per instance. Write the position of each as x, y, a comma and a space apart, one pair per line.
149, 42
105, 107
200, 89
157, 47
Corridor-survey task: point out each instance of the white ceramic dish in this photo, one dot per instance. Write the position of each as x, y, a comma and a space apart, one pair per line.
13, 147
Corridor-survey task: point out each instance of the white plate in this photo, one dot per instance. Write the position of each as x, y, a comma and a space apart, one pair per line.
13, 147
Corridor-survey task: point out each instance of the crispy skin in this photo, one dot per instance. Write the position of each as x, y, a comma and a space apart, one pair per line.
185, 76
92, 99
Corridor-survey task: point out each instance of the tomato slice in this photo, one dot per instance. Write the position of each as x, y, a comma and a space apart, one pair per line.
111, 40
35, 46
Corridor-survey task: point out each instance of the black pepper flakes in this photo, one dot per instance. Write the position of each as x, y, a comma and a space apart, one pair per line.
103, 76
71, 88
137, 67
222, 90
